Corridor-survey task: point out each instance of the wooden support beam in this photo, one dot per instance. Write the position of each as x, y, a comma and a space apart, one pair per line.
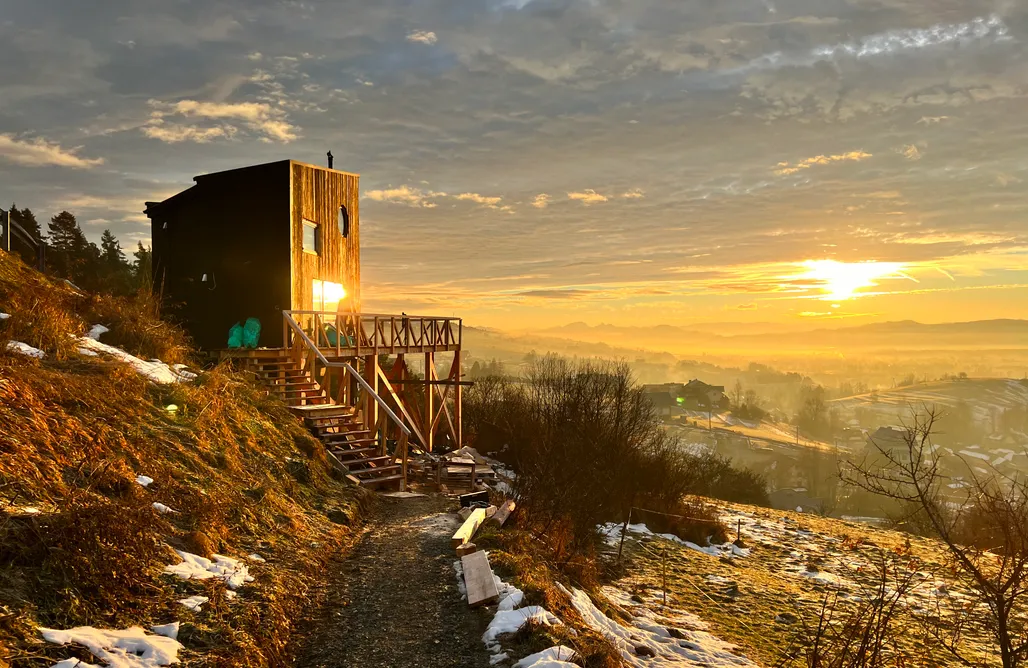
478, 579
467, 530
458, 399
429, 400
403, 409
371, 406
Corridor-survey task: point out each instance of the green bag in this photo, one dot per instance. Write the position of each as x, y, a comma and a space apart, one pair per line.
251, 332
235, 336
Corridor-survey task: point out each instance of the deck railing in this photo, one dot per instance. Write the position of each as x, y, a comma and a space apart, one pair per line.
344, 334
310, 357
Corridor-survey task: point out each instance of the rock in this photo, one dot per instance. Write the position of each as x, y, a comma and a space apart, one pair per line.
643, 650
786, 618
675, 633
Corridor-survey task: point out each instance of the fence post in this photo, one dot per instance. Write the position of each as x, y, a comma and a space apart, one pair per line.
624, 530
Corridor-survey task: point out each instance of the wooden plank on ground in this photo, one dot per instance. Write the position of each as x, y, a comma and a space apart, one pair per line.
478, 578
467, 530
506, 508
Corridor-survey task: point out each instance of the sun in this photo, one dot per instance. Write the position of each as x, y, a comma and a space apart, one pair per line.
839, 281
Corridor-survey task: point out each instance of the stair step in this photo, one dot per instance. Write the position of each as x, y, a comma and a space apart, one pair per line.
344, 454
320, 432
377, 469
345, 441
379, 481
327, 412
380, 459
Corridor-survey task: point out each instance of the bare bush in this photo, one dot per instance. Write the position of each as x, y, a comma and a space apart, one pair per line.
987, 540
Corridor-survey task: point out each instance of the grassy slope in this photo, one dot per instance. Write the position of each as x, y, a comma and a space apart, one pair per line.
768, 582
240, 470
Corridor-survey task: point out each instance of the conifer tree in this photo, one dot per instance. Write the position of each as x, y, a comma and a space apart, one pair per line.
74, 257
27, 220
142, 269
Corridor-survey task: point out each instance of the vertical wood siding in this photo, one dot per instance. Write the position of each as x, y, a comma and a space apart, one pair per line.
317, 196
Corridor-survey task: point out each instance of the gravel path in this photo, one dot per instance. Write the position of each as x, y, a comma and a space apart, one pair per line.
394, 601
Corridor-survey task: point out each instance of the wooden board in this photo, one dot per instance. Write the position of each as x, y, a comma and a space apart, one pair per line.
466, 548
506, 508
467, 530
478, 578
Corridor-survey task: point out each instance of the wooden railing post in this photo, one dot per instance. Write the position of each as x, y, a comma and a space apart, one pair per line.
403, 461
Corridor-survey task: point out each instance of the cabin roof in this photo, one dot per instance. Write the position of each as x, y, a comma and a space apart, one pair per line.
214, 176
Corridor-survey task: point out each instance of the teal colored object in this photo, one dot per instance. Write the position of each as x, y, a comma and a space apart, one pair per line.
332, 336
251, 332
235, 336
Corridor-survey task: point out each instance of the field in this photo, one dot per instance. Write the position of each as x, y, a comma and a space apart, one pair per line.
984, 396
761, 597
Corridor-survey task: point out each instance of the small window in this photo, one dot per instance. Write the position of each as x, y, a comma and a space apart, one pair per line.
344, 222
311, 237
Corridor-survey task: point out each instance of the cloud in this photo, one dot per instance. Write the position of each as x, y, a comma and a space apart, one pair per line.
422, 37
588, 196
479, 199
634, 193
785, 168
911, 152
39, 152
541, 201
932, 120
258, 117
406, 195
171, 133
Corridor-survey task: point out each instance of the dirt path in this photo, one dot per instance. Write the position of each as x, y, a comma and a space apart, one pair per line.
394, 601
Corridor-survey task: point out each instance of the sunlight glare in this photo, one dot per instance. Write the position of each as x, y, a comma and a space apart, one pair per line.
840, 281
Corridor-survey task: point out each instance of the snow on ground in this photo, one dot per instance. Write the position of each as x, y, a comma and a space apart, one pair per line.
195, 567
25, 349
194, 602
163, 509
144, 480
4, 316
155, 370
509, 618
128, 648
167, 630
611, 533
557, 656
658, 635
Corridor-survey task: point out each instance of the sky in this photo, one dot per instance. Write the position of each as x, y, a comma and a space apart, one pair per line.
529, 163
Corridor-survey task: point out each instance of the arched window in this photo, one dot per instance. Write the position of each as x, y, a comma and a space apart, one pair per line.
344, 222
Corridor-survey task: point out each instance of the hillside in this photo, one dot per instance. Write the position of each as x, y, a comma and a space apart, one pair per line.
191, 506
763, 596
986, 397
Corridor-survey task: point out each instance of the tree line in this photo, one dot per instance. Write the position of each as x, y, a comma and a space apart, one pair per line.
71, 256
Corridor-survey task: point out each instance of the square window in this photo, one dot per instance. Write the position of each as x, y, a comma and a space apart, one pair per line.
311, 237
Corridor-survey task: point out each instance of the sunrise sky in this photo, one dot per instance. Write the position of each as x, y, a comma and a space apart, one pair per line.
530, 163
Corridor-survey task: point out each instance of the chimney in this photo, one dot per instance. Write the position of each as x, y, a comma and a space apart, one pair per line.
330, 159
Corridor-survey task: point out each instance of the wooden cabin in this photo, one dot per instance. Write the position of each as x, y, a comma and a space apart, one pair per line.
280, 242
254, 241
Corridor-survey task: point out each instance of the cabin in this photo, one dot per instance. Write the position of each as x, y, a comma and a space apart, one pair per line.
254, 241
280, 242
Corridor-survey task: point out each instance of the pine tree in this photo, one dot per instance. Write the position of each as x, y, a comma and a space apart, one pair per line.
142, 269
27, 220
74, 257
110, 251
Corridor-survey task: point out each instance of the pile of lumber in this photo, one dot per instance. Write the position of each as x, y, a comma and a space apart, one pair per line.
478, 576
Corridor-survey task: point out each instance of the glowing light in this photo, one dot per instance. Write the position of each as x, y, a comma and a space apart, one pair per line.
327, 295
840, 281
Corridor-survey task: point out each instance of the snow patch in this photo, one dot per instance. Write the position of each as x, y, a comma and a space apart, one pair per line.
194, 602
557, 656
256, 557
509, 621
95, 331
144, 480
25, 349
128, 648
195, 567
649, 642
163, 509
155, 370
166, 630
4, 316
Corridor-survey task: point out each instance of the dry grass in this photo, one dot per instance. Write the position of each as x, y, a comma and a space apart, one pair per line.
45, 311
240, 470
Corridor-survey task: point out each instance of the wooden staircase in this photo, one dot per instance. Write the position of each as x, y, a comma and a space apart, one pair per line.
339, 427
284, 378
342, 431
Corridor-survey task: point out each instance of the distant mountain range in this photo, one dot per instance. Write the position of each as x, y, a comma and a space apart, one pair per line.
742, 337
